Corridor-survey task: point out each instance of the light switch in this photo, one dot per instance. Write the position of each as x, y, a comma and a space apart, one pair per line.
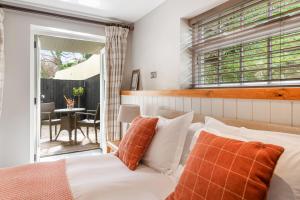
153, 75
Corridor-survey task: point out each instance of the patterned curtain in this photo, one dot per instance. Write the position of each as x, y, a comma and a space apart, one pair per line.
1, 58
115, 52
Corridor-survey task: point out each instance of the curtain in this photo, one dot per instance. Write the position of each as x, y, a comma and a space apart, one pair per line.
115, 52
1, 58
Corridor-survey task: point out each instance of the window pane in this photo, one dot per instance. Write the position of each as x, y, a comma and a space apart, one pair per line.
255, 61
210, 67
230, 65
286, 56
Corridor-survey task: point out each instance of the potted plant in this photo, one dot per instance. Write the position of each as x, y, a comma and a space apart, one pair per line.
78, 92
69, 102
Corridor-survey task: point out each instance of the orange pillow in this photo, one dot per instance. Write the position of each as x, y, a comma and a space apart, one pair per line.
136, 141
225, 169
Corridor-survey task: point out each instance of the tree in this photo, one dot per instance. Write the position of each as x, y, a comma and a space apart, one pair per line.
53, 61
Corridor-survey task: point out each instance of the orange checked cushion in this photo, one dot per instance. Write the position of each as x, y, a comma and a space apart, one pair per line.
136, 141
225, 169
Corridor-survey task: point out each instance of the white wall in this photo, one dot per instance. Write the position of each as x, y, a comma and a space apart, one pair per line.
15, 120
156, 41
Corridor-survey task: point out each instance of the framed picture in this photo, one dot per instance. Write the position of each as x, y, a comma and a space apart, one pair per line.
135, 79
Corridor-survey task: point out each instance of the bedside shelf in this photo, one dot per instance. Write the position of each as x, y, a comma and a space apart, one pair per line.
112, 146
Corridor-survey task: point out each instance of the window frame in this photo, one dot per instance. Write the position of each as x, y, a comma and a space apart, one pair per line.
197, 82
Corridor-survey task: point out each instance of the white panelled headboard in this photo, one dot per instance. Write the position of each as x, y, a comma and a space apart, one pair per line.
169, 114
278, 110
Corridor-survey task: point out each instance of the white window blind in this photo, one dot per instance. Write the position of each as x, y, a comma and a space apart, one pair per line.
252, 43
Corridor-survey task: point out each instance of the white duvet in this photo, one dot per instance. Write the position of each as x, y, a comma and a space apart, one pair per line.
106, 177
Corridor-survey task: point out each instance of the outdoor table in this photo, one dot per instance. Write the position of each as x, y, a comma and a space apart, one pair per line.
68, 121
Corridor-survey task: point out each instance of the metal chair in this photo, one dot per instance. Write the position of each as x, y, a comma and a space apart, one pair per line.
92, 119
48, 117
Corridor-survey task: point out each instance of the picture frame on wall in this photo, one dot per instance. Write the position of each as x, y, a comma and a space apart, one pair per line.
135, 79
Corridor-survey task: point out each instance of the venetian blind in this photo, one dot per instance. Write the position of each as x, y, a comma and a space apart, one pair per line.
254, 42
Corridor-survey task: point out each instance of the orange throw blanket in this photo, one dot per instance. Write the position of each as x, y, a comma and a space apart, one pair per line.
41, 181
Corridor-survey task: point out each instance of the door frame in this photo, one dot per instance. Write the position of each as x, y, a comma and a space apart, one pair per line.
35, 77
102, 99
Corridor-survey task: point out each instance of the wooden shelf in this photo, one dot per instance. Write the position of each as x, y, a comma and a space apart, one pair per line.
274, 93
112, 146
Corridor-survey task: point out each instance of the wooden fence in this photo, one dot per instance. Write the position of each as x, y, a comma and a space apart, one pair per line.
53, 90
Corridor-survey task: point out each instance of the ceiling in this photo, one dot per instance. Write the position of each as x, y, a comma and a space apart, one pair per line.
69, 45
109, 10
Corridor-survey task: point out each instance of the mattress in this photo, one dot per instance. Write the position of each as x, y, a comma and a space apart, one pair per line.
106, 177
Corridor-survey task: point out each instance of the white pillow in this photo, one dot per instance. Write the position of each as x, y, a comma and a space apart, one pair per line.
285, 183
193, 128
221, 127
218, 128
176, 176
165, 150
235, 136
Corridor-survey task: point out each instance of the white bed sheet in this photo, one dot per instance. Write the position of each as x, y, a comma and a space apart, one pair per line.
106, 177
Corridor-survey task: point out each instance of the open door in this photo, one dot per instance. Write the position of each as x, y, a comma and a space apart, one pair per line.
102, 100
52, 82
36, 99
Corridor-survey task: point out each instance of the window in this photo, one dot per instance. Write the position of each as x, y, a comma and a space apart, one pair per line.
253, 43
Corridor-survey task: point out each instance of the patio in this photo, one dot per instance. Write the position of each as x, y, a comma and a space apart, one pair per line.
70, 78
62, 145
55, 106
53, 92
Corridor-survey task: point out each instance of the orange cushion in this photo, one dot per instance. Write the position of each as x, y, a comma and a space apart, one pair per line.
225, 169
136, 141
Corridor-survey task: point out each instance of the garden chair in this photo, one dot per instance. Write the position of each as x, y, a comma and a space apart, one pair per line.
48, 117
91, 119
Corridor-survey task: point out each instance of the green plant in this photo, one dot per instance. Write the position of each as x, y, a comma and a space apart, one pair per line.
77, 92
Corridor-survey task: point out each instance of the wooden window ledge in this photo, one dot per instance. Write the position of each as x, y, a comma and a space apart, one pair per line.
275, 93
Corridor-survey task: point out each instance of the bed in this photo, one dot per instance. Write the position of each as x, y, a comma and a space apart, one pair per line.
106, 177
